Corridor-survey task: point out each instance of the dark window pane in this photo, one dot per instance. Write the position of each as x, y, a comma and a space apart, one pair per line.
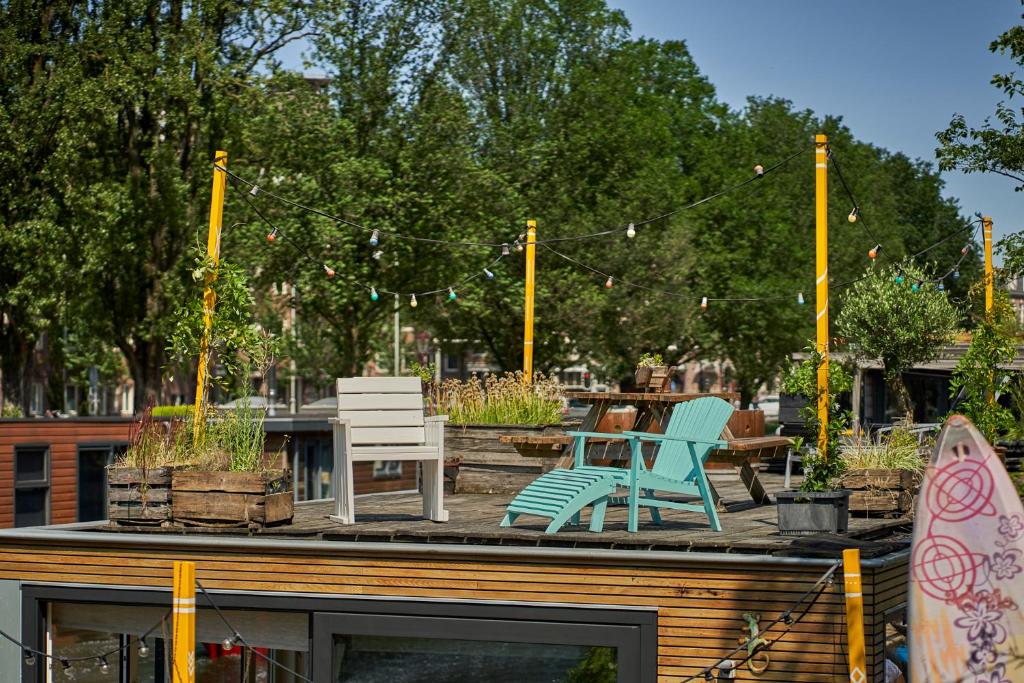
30, 507
30, 465
372, 659
92, 483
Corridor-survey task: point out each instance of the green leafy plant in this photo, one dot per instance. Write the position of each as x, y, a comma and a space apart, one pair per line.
11, 410
898, 316
426, 373
650, 360
499, 400
979, 374
821, 471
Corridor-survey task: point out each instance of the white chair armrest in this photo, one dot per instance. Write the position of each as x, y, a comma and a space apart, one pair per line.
436, 418
340, 420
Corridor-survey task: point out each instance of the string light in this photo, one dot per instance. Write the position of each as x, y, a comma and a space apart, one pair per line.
519, 245
255, 190
504, 249
412, 301
854, 212
229, 643
272, 235
758, 170
956, 274
373, 294
143, 648
104, 665
915, 287
489, 274
874, 251
800, 298
452, 296
703, 303
375, 238
608, 283
329, 270
30, 658
899, 279
966, 249
941, 287
631, 231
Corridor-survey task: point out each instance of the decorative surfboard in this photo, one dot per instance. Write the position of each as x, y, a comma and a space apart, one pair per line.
966, 613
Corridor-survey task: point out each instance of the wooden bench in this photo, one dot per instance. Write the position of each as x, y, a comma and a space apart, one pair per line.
381, 418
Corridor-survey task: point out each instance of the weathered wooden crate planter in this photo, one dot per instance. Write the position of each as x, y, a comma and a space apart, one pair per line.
654, 378
231, 498
139, 497
489, 465
881, 492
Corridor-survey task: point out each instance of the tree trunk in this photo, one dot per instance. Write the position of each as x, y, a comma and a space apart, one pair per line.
145, 360
894, 378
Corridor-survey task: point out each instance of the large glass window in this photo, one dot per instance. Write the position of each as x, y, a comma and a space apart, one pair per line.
31, 486
314, 462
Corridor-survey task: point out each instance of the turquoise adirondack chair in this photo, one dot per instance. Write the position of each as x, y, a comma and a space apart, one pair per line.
692, 433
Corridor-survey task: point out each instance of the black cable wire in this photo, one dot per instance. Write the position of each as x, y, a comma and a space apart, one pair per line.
853, 200
89, 658
302, 251
785, 616
237, 636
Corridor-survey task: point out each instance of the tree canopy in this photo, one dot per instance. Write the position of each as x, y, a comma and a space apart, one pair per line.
439, 120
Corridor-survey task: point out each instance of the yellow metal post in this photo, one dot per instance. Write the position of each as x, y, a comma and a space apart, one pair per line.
821, 288
854, 615
220, 178
986, 223
183, 621
531, 271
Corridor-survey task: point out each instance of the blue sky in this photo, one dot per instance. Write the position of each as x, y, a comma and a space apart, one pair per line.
895, 71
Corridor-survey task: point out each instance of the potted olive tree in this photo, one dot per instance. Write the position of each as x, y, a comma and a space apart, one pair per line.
820, 505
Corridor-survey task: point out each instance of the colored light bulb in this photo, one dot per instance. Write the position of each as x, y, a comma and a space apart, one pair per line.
608, 283
915, 287
956, 274
489, 274
143, 649
759, 170
412, 301
703, 303
329, 271
899, 279
854, 212
272, 235
941, 287
373, 294
104, 666
800, 298
452, 296
375, 238
874, 251
631, 231
228, 644
966, 249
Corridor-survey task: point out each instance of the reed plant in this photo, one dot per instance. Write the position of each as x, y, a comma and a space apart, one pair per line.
504, 399
897, 450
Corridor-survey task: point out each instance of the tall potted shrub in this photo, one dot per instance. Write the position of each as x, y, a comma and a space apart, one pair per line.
820, 506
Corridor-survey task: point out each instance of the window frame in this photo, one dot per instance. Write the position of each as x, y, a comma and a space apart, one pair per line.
32, 485
635, 627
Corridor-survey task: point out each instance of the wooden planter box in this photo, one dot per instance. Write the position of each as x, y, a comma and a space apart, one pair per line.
232, 498
138, 497
653, 378
881, 492
488, 465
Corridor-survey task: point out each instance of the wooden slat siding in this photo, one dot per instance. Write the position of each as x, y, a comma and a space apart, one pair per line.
700, 607
62, 436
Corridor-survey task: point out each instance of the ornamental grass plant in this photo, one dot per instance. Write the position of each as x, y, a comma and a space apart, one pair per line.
897, 450
505, 399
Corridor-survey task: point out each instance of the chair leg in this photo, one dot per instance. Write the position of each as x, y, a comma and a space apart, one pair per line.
655, 514
709, 503
597, 517
634, 508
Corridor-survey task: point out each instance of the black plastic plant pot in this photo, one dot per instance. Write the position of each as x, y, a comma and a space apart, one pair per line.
823, 512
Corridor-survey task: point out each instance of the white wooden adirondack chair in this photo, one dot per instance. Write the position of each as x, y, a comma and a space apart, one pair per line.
381, 418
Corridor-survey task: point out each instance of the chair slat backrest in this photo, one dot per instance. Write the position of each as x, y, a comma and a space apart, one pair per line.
701, 418
382, 410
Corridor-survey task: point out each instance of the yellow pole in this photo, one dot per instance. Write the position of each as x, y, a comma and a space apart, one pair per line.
854, 614
183, 623
531, 272
986, 223
821, 288
220, 178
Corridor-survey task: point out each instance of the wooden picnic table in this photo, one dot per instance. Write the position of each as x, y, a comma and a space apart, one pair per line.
652, 409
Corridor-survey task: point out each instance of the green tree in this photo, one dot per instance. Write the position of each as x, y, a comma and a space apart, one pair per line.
897, 316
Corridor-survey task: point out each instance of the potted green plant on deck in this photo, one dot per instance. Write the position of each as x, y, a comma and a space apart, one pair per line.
820, 506
884, 476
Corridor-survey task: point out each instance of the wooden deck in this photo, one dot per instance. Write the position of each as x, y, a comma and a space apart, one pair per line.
748, 527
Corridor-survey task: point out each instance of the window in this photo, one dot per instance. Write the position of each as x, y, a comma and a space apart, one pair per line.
312, 468
31, 486
92, 480
451, 362
387, 469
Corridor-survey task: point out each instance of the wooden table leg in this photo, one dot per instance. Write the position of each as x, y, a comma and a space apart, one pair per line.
754, 487
590, 421
719, 503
